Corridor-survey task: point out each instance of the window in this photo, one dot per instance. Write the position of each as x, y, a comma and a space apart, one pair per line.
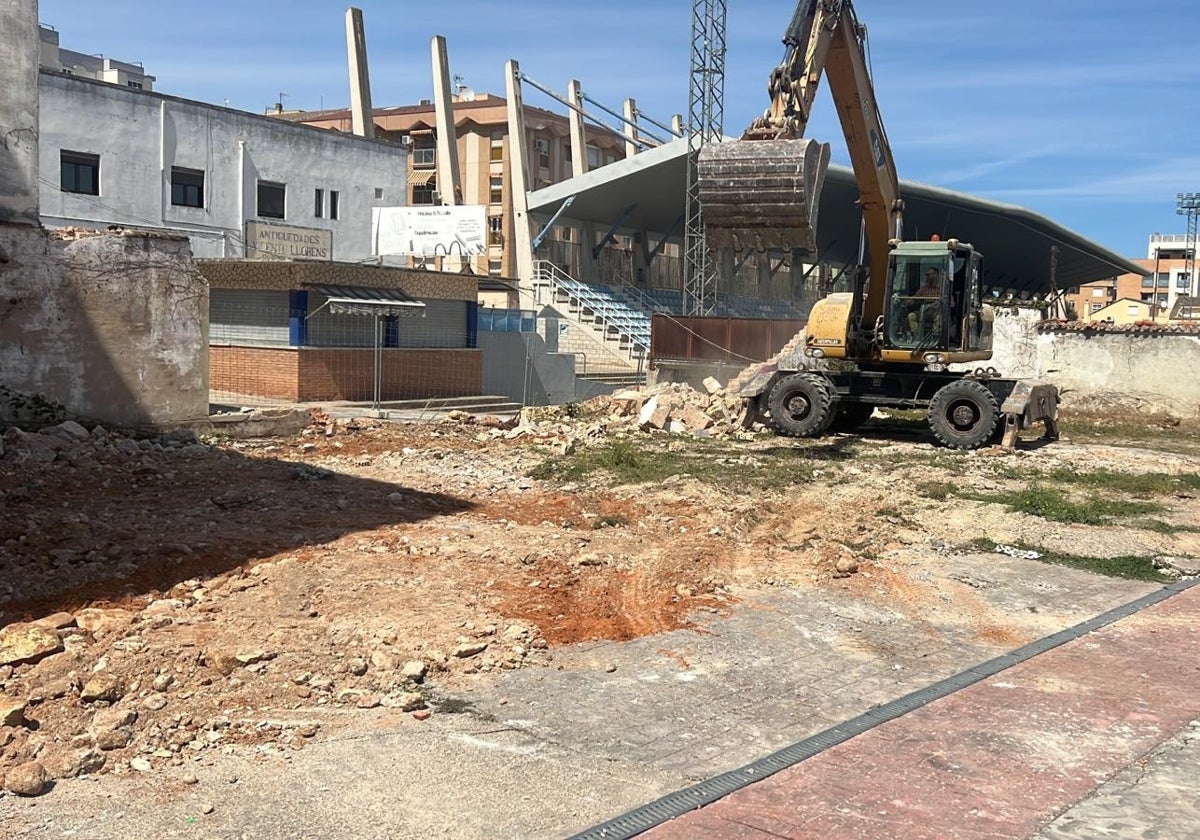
423, 194
495, 230
80, 173
497, 190
494, 267
593, 157
497, 151
542, 146
378, 193
1183, 281
424, 158
319, 203
335, 211
1096, 307
1099, 292
187, 187
567, 153
272, 200
135, 85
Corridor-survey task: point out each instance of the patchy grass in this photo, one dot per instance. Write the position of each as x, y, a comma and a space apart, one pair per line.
626, 462
1129, 567
939, 490
1147, 433
1141, 484
459, 706
1053, 504
611, 520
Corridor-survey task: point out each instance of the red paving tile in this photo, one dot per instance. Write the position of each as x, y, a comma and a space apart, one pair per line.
997, 759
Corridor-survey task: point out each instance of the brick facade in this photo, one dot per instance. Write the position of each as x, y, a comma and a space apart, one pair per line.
323, 374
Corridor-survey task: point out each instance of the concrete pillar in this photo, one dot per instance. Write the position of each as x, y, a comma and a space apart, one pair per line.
579, 161
19, 61
448, 183
361, 115
518, 177
677, 124
631, 132
448, 178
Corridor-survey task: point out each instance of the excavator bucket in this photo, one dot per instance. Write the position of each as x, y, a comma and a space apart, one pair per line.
762, 194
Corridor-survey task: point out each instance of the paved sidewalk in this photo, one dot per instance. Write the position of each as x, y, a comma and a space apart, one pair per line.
1001, 758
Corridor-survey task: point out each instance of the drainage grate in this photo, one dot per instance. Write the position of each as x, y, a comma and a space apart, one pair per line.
710, 790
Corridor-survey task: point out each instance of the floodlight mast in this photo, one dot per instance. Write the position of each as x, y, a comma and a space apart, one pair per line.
1188, 204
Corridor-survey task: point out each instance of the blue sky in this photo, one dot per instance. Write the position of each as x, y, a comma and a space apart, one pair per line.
1086, 111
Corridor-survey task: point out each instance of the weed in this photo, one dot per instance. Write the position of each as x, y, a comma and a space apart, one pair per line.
939, 490
1142, 484
611, 520
458, 706
1128, 567
1053, 504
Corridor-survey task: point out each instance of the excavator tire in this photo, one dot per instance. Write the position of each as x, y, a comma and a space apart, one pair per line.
963, 414
802, 405
761, 194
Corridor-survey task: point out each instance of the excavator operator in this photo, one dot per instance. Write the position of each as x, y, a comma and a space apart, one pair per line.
923, 311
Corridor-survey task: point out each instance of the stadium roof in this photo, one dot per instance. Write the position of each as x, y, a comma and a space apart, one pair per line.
646, 191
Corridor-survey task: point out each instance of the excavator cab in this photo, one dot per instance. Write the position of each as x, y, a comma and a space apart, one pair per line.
934, 311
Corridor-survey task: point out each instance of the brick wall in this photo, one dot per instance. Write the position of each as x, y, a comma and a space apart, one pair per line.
255, 371
325, 374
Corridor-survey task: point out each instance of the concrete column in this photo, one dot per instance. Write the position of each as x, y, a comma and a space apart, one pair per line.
518, 177
677, 124
19, 61
579, 161
631, 132
362, 116
447, 140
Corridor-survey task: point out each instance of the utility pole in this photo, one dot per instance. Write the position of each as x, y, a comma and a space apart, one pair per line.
706, 97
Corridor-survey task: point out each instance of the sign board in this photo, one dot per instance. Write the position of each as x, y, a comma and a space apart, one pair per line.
266, 241
433, 231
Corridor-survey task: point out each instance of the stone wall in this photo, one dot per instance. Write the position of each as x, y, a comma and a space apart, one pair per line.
263, 274
113, 326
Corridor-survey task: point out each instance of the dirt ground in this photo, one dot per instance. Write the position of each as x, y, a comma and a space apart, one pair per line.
201, 595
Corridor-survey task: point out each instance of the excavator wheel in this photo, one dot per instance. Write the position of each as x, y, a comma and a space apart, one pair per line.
802, 405
963, 414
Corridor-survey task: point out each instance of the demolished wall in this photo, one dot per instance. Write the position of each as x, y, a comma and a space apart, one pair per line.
1150, 370
111, 325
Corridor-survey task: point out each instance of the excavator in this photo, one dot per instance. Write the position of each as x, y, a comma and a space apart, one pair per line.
915, 307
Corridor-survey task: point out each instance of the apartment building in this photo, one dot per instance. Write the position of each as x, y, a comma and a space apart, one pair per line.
97, 67
482, 138
1167, 281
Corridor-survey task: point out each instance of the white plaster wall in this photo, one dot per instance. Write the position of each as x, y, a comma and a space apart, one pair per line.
113, 327
1154, 373
140, 135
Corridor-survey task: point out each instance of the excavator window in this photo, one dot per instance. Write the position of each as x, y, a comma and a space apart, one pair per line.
916, 302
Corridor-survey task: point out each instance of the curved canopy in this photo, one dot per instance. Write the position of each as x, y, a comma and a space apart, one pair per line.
646, 192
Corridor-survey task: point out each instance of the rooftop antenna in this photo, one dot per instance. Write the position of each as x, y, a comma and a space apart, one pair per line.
279, 103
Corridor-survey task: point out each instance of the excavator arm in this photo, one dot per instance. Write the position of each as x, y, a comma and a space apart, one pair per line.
763, 191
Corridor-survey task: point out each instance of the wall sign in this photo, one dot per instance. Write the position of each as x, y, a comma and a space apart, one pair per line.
265, 241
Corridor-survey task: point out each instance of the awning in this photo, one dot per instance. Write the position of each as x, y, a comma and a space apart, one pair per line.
421, 177
362, 300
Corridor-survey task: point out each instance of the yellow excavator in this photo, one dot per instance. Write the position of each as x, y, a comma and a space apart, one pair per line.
914, 308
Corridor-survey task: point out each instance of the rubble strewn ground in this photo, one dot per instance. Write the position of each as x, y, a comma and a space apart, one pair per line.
169, 597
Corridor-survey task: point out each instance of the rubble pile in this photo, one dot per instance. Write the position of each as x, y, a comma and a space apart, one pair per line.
669, 408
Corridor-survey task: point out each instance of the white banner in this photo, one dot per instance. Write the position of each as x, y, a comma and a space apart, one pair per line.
434, 231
